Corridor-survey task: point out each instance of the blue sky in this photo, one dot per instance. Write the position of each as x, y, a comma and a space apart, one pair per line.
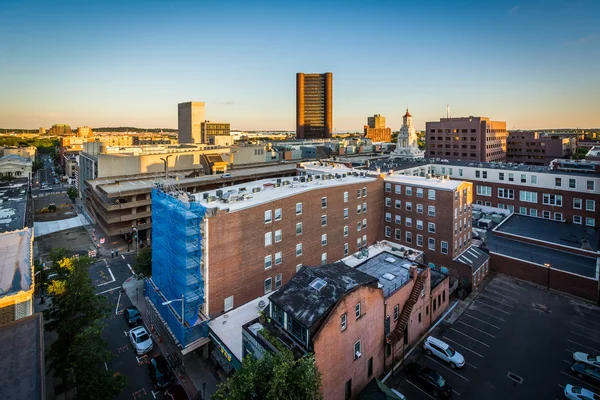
534, 64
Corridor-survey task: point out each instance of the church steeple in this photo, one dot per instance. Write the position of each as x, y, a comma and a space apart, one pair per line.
407, 119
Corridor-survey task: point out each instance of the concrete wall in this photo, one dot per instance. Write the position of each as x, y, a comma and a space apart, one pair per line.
24, 152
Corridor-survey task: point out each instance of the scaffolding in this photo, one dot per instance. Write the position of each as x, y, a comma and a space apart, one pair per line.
176, 263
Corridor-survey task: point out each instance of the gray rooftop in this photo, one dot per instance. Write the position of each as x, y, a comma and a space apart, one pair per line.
392, 271
13, 204
473, 257
22, 371
308, 305
437, 277
15, 262
547, 230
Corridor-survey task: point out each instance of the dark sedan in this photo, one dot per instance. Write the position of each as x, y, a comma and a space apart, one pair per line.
429, 379
582, 371
132, 316
159, 372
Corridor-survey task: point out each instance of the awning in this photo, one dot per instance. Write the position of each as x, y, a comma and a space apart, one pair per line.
216, 354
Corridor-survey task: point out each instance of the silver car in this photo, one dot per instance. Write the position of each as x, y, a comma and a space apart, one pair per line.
140, 340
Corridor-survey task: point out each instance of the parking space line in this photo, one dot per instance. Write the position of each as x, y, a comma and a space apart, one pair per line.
122, 256
568, 362
118, 301
501, 295
495, 308
443, 366
585, 327
456, 392
503, 288
129, 266
472, 338
421, 390
477, 329
480, 320
583, 345
501, 302
585, 336
483, 312
577, 379
464, 347
109, 290
561, 386
586, 320
471, 365
590, 312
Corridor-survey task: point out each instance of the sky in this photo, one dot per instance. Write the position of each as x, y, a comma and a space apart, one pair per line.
534, 64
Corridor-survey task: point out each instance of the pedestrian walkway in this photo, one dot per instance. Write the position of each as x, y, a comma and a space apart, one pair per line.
197, 371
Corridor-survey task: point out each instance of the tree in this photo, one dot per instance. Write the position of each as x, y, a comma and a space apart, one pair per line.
143, 263
37, 165
72, 193
275, 376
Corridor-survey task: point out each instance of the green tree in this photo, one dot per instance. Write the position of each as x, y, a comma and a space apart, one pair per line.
143, 263
37, 165
72, 193
274, 377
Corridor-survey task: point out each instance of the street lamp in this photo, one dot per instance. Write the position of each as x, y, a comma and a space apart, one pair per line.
548, 266
182, 307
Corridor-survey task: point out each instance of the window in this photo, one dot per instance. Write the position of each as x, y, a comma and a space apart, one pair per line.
420, 240
523, 178
434, 304
358, 194
529, 197
278, 258
323, 220
278, 236
420, 192
388, 217
408, 191
345, 213
299, 249
420, 208
346, 230
398, 204
443, 296
501, 176
546, 214
408, 237
298, 267
370, 367
323, 202
590, 185
558, 182
419, 225
460, 172
534, 179
477, 174
364, 192
408, 206
408, 222
364, 223
324, 239
345, 197
577, 219
444, 248
484, 190
431, 194
431, 211
552, 199
299, 228
398, 219
431, 244
346, 249
398, 189
397, 234
268, 216
357, 310
298, 208
590, 205
344, 321
228, 303
388, 231
358, 243
268, 239
278, 214
388, 187
523, 210
431, 227
358, 209
358, 226
348, 390
419, 317
268, 285
364, 207
533, 212
511, 177
506, 193
590, 221
557, 216
323, 258
268, 262
577, 203
388, 202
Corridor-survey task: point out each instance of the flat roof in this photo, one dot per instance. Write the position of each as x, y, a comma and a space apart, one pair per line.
15, 262
392, 271
436, 183
359, 257
13, 205
22, 370
269, 192
228, 327
547, 230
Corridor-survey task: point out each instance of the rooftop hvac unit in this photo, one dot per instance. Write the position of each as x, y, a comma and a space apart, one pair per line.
295, 179
255, 190
338, 176
205, 196
219, 193
211, 199
278, 180
343, 175
302, 179
242, 189
277, 184
286, 183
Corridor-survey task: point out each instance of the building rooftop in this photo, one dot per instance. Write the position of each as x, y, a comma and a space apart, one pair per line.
246, 195
437, 277
439, 183
22, 370
313, 292
392, 271
547, 230
15, 261
473, 257
13, 205
404, 252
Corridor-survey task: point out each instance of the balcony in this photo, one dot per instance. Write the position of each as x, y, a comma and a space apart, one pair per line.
274, 338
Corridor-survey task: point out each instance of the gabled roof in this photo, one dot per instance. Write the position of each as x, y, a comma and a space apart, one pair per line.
309, 305
473, 257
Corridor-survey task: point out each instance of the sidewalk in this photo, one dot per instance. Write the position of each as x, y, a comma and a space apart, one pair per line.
196, 372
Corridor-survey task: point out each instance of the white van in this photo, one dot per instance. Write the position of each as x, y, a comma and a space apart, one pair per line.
442, 350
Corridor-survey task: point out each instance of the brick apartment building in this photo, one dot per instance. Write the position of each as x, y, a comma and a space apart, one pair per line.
532, 149
466, 138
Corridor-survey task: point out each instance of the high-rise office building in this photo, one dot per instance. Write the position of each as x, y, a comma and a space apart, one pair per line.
211, 129
376, 130
190, 117
314, 94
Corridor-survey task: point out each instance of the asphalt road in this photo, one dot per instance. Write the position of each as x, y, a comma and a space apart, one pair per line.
108, 276
517, 340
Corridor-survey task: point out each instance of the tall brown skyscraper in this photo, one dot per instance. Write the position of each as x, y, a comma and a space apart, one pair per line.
314, 94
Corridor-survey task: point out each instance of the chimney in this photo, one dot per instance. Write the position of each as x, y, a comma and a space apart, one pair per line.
413, 272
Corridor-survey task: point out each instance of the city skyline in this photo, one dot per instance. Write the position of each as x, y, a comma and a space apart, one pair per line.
531, 64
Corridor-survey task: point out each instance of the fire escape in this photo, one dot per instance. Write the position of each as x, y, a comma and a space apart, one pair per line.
398, 332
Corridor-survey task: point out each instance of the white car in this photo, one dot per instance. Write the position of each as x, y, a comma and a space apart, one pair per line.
45, 188
579, 393
585, 358
442, 350
140, 340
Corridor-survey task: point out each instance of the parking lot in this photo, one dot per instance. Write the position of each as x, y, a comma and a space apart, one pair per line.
517, 339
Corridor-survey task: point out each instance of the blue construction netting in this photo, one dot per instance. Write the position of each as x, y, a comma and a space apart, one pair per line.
176, 257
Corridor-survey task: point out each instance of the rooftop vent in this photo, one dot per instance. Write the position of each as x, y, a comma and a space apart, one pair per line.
390, 260
318, 284
255, 190
388, 276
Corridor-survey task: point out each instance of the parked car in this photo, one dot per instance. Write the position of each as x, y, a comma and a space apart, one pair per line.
226, 176
140, 340
582, 371
176, 392
159, 372
132, 316
46, 188
585, 358
429, 379
579, 393
442, 350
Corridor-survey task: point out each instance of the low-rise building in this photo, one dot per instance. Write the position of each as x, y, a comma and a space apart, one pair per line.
14, 166
28, 152
531, 148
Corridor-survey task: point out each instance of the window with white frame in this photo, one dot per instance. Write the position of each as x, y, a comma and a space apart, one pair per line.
268, 239
364, 223
323, 258
552, 199
345, 249
408, 206
388, 187
398, 189
345, 213
358, 209
484, 190
431, 194
408, 237
408, 190
590, 185
364, 192
590, 205
364, 207
501, 176
323, 239
268, 216
420, 192
431, 211
396, 312
357, 352
268, 261
358, 226
397, 234
460, 172
278, 258
533, 212
589, 221
504, 193
323, 220
268, 285
388, 231
228, 303
431, 243
398, 204
344, 321
534, 179
364, 240
577, 203
358, 243
419, 208
488, 203
529, 197
408, 221
298, 208
546, 214
558, 182
388, 202
278, 279
357, 310
358, 192
511, 177
510, 208
444, 247
388, 217
419, 225
398, 219
577, 219
278, 214
557, 216
572, 183
298, 267
420, 240
323, 202
299, 249
345, 197
299, 228
278, 236
523, 210
523, 178
346, 230
431, 227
